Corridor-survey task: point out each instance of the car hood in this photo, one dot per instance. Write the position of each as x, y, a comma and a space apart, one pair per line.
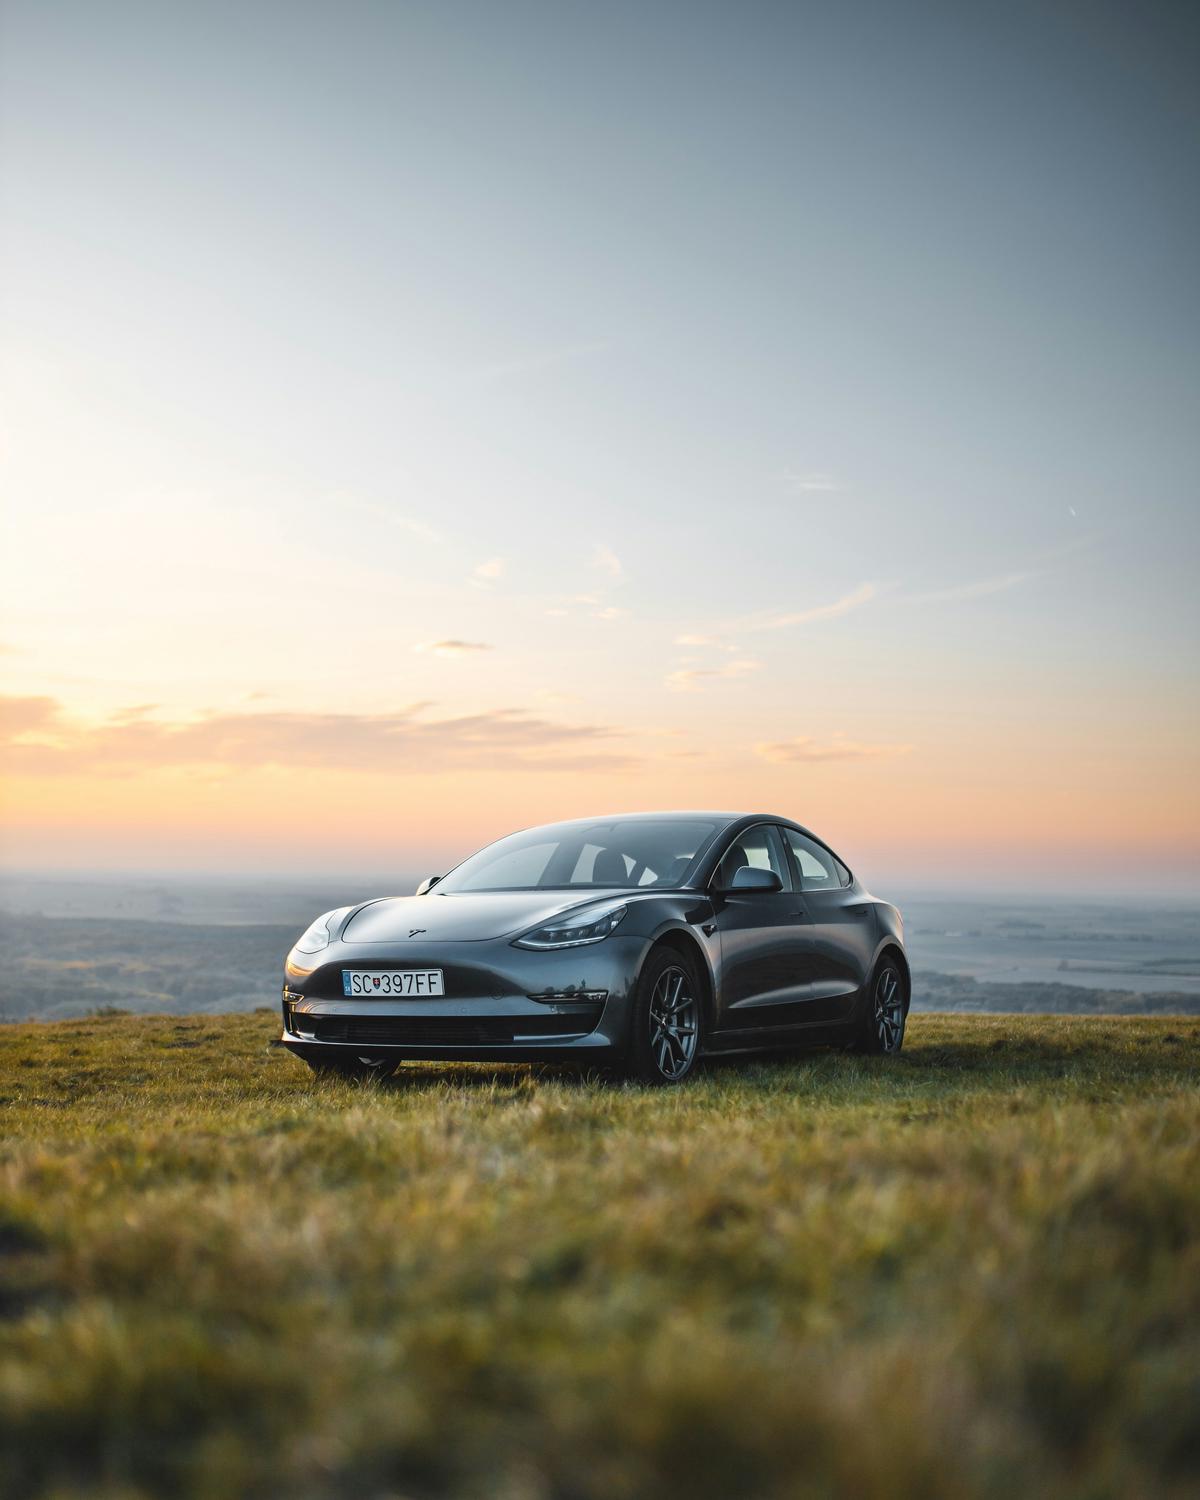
463, 916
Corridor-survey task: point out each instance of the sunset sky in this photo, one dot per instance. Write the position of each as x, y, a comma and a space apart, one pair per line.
423, 420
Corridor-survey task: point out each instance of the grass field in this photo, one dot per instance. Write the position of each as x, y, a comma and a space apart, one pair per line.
971, 1271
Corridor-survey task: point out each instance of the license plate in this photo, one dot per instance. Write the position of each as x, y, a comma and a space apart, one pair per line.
407, 982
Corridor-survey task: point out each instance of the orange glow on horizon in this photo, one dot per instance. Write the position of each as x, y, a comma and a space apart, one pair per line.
918, 812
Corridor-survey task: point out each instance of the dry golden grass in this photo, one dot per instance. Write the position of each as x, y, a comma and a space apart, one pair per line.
970, 1271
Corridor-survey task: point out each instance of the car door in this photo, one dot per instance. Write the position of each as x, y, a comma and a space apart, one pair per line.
840, 929
765, 951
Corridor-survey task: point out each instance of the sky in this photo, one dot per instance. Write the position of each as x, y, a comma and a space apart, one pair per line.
424, 420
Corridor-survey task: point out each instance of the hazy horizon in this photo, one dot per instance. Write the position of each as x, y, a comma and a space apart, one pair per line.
422, 421
888, 885
79, 945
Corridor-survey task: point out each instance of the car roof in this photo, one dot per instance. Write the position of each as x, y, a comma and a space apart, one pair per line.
724, 820
673, 815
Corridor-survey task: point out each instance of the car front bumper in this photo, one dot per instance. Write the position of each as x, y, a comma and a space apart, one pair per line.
500, 1003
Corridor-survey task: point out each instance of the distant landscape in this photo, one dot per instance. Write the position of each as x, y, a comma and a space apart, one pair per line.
79, 946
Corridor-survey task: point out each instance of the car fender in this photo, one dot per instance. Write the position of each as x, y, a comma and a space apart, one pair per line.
686, 919
890, 930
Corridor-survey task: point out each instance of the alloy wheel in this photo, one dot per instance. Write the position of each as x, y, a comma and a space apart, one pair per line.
889, 1009
674, 1023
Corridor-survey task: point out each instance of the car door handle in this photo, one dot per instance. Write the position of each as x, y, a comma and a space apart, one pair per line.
799, 915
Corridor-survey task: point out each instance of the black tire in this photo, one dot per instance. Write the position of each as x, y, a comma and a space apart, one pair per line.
667, 1019
884, 1011
351, 1068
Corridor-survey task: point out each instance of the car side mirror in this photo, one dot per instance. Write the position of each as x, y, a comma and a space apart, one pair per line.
427, 884
750, 878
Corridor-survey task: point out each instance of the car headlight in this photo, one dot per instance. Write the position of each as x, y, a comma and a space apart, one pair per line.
320, 934
574, 929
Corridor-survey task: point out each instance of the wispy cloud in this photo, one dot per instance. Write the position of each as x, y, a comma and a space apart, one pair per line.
413, 525
38, 739
1032, 567
562, 606
489, 570
452, 647
855, 599
691, 679
812, 483
606, 561
135, 711
766, 619
706, 642
806, 749
26, 715
977, 589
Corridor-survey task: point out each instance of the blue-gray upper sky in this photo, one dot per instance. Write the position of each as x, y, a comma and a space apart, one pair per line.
572, 330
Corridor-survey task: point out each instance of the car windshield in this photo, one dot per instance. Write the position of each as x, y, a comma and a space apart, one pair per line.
624, 852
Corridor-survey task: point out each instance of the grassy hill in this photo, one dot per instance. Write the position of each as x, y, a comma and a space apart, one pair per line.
971, 1271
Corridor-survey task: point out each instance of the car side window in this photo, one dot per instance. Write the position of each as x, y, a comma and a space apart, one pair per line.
761, 849
819, 870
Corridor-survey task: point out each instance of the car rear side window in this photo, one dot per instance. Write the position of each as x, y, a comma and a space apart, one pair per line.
819, 869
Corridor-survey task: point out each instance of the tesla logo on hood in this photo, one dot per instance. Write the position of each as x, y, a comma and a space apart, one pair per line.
412, 931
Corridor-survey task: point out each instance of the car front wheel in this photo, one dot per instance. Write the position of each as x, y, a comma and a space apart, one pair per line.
666, 1023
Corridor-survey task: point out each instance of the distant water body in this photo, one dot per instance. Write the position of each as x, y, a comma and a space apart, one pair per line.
1150, 947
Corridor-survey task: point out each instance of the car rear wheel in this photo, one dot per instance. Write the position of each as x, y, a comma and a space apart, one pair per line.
885, 1011
666, 1023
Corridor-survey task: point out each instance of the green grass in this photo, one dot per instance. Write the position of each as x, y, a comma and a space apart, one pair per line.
971, 1271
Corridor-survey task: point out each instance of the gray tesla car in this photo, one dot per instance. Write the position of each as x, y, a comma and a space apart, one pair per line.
637, 942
